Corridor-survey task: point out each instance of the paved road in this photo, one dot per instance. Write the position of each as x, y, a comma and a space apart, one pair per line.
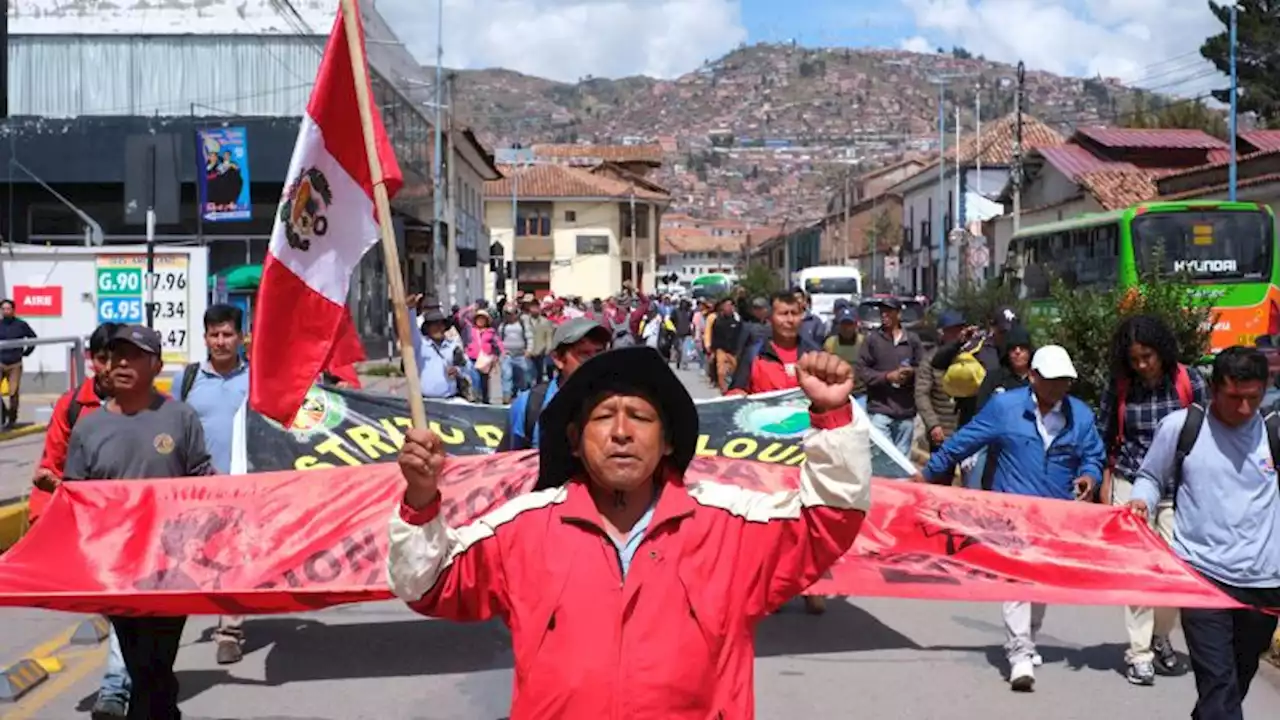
864, 658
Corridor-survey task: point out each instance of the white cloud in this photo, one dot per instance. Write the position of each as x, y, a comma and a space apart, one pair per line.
1153, 43
568, 39
917, 44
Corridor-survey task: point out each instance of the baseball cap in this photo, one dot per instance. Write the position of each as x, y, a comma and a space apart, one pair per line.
434, 314
950, 319
760, 302
1052, 362
845, 314
143, 338
574, 330
1004, 318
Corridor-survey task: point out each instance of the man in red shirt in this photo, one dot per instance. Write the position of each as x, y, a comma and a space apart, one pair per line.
73, 405
770, 364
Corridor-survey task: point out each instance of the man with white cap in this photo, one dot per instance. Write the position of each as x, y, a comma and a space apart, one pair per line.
1043, 443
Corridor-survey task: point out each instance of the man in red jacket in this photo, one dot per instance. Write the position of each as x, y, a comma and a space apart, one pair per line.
70, 407
646, 606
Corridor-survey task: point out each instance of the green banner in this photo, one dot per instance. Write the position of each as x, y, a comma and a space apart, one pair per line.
338, 428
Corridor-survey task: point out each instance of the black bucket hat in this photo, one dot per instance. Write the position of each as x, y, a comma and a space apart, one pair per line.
638, 368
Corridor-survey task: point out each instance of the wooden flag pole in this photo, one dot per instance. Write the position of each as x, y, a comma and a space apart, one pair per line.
390, 254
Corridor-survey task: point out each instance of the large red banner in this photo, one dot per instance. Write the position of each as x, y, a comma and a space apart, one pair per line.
292, 541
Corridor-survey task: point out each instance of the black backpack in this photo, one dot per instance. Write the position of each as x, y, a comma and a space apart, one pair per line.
189, 375
532, 410
1191, 431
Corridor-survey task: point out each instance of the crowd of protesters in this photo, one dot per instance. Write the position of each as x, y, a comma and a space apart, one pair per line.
1195, 457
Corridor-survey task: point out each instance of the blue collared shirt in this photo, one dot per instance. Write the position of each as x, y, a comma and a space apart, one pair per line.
1026, 462
216, 399
627, 548
434, 360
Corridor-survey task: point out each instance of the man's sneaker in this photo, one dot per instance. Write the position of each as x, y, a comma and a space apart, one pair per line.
1167, 661
815, 604
1141, 673
1022, 678
109, 709
229, 652
1036, 660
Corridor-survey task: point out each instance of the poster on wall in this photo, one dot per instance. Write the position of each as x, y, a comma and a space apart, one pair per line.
121, 294
224, 181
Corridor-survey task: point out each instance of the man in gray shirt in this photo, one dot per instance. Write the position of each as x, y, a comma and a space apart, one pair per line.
1218, 468
140, 434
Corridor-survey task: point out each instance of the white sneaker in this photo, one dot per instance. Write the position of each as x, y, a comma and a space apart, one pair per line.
1022, 678
1036, 660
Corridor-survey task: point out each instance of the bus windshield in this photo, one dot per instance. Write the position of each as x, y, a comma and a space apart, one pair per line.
1211, 247
710, 290
832, 286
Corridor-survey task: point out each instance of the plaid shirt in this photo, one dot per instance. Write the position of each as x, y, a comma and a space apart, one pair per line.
1144, 409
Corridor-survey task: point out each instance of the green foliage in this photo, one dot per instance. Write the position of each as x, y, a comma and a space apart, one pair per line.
1085, 321
759, 281
979, 300
1258, 55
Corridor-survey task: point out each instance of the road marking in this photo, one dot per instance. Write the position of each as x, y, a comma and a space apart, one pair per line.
79, 665
52, 645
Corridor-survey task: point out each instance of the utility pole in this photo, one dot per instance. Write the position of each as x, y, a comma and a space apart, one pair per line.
959, 206
515, 224
635, 265
977, 124
451, 209
1017, 148
437, 159
940, 262
1235, 92
848, 228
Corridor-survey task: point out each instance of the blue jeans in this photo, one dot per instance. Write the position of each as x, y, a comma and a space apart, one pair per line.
115, 681
479, 383
899, 432
515, 375
973, 470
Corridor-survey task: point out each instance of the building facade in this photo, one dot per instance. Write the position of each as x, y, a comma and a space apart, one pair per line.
572, 230
91, 82
689, 252
957, 193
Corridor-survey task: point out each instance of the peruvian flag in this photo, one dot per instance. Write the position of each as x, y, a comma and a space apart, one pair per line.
326, 222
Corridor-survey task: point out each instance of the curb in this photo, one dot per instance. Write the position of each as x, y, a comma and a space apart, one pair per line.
20, 678
13, 523
24, 431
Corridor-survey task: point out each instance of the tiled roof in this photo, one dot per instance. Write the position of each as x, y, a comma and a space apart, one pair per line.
650, 153
1217, 160
689, 240
1115, 189
1262, 139
1073, 161
1164, 139
560, 181
995, 145
1222, 187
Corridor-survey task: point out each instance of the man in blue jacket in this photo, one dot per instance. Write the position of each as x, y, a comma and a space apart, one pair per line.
1043, 443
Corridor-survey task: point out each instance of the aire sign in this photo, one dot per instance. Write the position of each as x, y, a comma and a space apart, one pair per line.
32, 301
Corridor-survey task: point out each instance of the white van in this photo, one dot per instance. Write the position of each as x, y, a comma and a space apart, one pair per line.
828, 283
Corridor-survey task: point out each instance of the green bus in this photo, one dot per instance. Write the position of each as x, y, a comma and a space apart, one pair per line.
1228, 248
712, 286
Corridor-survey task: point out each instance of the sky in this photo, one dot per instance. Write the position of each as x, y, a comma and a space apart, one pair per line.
1151, 43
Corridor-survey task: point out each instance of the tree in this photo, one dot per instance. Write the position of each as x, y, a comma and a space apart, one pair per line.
960, 53
1085, 320
1258, 56
1153, 112
883, 234
759, 280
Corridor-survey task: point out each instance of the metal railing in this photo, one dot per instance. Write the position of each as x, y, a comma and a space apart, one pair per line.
75, 358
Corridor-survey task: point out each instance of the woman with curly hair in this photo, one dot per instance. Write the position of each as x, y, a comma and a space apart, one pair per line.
1147, 383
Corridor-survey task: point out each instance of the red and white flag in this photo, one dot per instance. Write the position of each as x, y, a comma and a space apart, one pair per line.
326, 222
